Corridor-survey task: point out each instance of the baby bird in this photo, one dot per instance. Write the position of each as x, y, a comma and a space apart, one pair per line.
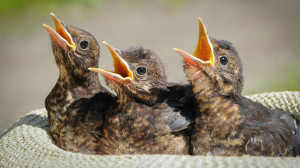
139, 121
226, 122
76, 102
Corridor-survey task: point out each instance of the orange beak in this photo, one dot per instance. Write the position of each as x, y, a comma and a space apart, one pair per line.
122, 72
203, 52
61, 36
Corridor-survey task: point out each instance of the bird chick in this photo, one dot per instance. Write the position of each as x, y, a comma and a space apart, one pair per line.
74, 118
227, 123
139, 120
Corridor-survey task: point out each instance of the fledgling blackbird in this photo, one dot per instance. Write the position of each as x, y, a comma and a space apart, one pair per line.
139, 121
226, 122
76, 102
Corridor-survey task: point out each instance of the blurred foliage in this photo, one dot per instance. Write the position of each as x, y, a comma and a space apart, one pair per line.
15, 7
17, 17
289, 80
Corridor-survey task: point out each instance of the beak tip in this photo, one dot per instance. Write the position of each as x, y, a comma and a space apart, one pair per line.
48, 28
106, 44
179, 51
53, 15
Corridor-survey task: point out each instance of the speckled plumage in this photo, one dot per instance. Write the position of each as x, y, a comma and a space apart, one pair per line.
140, 121
76, 102
226, 122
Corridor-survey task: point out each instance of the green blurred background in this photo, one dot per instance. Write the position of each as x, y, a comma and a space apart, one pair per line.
265, 32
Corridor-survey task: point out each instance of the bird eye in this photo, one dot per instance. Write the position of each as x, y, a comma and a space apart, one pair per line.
84, 44
141, 70
223, 60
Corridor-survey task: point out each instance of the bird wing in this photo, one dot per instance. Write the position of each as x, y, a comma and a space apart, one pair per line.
295, 130
277, 137
84, 117
176, 121
179, 95
87, 113
268, 132
270, 140
180, 99
297, 142
180, 123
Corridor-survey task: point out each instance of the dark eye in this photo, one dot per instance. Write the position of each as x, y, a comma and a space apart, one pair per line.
141, 70
84, 44
223, 60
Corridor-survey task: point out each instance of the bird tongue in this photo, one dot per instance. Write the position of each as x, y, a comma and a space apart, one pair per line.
204, 50
122, 71
61, 35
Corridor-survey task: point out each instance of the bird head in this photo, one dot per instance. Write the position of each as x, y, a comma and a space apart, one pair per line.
214, 66
138, 73
74, 49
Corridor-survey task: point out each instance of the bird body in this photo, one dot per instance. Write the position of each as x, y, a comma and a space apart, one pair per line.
140, 121
226, 123
73, 115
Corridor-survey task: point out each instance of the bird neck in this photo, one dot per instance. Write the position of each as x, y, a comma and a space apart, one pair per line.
123, 94
87, 84
124, 99
211, 101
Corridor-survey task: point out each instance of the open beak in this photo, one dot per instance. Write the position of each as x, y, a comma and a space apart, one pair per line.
122, 72
204, 49
60, 35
